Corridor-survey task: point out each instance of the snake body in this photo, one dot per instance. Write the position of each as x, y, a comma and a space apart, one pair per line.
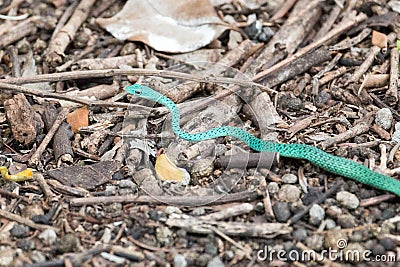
317, 157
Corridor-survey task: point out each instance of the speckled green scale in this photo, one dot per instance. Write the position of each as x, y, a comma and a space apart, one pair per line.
317, 157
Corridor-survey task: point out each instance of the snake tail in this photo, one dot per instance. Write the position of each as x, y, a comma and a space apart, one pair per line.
337, 165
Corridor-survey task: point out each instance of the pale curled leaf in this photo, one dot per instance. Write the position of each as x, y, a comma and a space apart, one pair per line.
166, 25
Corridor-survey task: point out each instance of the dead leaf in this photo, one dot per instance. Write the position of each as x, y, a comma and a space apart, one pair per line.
88, 177
379, 39
78, 118
167, 171
166, 25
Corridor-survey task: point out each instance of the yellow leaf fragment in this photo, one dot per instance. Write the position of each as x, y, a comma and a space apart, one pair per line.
18, 177
168, 171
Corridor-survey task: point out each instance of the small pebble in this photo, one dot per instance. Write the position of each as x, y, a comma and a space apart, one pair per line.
26, 244
317, 214
346, 221
378, 249
23, 46
211, 249
229, 254
128, 49
387, 227
253, 30
199, 211
172, 209
388, 213
289, 178
374, 215
297, 206
273, 187
396, 133
127, 183
330, 224
110, 190
322, 98
266, 34
387, 243
334, 211
38, 256
347, 199
154, 214
294, 103
48, 236
126, 191
311, 196
384, 118
315, 242
7, 256
330, 201
39, 45
117, 176
180, 261
367, 193
181, 233
20, 230
202, 168
349, 252
164, 235
356, 236
215, 262
81, 39
114, 209
203, 259
148, 182
333, 237
281, 211
289, 193
369, 244
300, 234
68, 243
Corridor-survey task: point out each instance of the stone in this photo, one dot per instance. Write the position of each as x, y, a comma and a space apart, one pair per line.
317, 214
289, 178
384, 118
347, 200
289, 193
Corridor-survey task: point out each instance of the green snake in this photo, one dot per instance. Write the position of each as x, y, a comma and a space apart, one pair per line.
317, 157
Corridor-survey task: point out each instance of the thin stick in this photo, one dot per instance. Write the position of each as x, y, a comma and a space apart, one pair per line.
13, 195
35, 159
176, 200
90, 74
392, 93
50, 196
26, 221
74, 99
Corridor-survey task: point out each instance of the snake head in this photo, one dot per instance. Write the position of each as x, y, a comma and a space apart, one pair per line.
143, 91
135, 89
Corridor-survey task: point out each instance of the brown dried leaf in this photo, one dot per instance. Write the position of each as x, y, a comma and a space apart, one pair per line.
379, 39
166, 25
168, 171
78, 118
88, 177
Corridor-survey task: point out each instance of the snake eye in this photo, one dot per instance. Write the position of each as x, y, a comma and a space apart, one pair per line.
138, 92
